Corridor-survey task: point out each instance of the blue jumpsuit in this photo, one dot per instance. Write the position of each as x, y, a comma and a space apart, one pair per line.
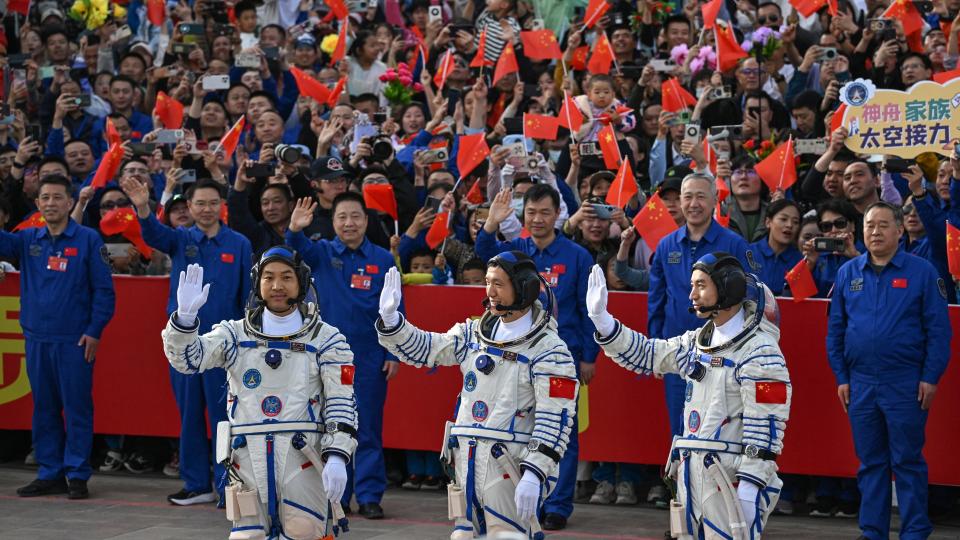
565, 265
349, 283
668, 303
226, 261
887, 333
771, 267
66, 292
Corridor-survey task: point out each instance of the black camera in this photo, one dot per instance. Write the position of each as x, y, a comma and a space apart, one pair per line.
287, 153
382, 147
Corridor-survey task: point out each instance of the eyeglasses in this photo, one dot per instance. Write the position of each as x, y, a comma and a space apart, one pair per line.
908, 209
827, 226
772, 19
750, 71
744, 172
111, 205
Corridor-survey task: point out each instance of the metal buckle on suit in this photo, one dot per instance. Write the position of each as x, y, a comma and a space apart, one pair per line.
296, 346
716, 361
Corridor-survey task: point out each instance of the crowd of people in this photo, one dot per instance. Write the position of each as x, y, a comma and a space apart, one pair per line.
228, 128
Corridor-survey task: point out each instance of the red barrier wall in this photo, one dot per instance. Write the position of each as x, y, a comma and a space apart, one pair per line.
623, 416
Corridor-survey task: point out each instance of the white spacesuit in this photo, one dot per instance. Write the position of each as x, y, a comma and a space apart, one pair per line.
290, 406
516, 406
737, 401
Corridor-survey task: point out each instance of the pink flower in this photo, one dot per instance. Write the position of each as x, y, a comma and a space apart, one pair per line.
418, 87
383, 78
390, 75
403, 68
405, 80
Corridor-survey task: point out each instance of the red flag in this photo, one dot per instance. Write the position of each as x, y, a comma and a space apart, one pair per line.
722, 190
225, 216
475, 195
341, 49
570, 116
562, 387
907, 13
380, 197
19, 6
443, 70
608, 146
335, 93
719, 217
579, 60
624, 186
113, 136
771, 392
540, 45
595, 10
124, 221
602, 56
809, 7
710, 10
228, 143
109, 165
539, 126
953, 250
674, 97
478, 59
33, 220
654, 221
946, 76
801, 281
836, 121
472, 151
309, 86
439, 231
779, 169
338, 8
156, 12
169, 110
729, 51
507, 63
712, 160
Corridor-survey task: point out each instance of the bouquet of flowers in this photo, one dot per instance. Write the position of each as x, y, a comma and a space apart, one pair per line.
94, 13
760, 151
768, 39
400, 87
706, 57
660, 11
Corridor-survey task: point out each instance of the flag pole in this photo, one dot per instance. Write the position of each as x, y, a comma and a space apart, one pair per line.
573, 136
783, 168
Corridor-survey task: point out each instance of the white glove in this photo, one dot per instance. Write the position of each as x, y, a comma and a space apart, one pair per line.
747, 493
334, 477
390, 298
506, 175
527, 496
597, 302
191, 294
542, 162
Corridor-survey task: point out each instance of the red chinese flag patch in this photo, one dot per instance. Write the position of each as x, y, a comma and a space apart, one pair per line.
373, 269
346, 375
226, 257
772, 392
900, 283
563, 388
70, 251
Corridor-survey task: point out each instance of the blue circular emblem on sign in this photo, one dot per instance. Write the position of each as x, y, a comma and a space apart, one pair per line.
693, 423
689, 394
273, 358
470, 381
271, 405
251, 378
856, 94
480, 411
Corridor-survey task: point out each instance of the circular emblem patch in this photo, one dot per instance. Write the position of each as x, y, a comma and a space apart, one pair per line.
251, 378
470, 381
693, 423
480, 411
271, 405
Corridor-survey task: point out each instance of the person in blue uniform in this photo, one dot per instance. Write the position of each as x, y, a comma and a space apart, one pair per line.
349, 272
772, 256
66, 300
668, 303
565, 266
836, 218
888, 343
227, 255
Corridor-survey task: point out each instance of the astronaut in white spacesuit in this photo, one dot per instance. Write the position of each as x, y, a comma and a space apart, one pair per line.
290, 405
737, 399
518, 400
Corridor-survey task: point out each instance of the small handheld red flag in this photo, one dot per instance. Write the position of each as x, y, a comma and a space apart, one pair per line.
444, 68
801, 282
624, 186
538, 126
729, 52
438, 231
169, 110
472, 151
309, 86
507, 63
608, 145
953, 250
540, 45
654, 221
710, 10
109, 165
341, 49
595, 10
475, 194
124, 221
478, 59
381, 197
674, 97
602, 57
156, 12
779, 169
570, 116
228, 143
33, 220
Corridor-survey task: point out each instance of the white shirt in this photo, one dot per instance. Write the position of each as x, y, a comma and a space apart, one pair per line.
506, 331
727, 331
277, 325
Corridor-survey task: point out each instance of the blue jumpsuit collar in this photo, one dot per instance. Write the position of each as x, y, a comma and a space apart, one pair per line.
69, 231
897, 260
340, 247
712, 231
197, 235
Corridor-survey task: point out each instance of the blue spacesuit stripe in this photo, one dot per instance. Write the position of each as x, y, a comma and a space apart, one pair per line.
471, 454
247, 528
716, 529
271, 487
304, 508
502, 517
686, 483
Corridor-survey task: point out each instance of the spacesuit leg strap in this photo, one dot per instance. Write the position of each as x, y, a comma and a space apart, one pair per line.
738, 526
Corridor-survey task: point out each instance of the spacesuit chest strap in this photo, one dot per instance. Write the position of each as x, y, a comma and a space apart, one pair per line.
294, 346
715, 361
495, 351
276, 427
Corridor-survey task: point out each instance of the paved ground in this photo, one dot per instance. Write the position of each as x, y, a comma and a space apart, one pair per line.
124, 506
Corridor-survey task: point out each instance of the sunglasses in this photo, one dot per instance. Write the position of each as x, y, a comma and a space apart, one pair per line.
908, 209
827, 226
111, 205
772, 19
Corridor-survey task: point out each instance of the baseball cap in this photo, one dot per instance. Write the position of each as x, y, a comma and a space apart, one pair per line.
674, 178
327, 168
305, 41
51, 12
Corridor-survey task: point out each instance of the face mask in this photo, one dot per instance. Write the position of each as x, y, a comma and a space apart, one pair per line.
517, 206
554, 155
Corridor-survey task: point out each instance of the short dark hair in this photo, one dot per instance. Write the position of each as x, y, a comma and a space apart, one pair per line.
204, 183
894, 209
601, 78
283, 32
678, 18
53, 159
473, 264
870, 166
49, 30
270, 97
81, 141
123, 78
57, 180
541, 191
364, 97
133, 55
837, 206
780, 205
282, 188
244, 5
808, 99
345, 197
927, 63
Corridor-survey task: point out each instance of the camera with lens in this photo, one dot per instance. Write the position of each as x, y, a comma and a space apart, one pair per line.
382, 147
827, 53
287, 153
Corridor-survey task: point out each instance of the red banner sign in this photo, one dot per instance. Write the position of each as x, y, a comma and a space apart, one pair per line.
622, 416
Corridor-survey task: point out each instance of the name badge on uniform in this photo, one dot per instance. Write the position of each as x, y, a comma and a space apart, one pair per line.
361, 281
551, 278
57, 264
856, 284
673, 257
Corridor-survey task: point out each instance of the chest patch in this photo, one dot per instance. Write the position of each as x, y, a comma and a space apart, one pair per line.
470, 381
693, 422
480, 411
191, 251
856, 284
35, 250
271, 406
673, 257
252, 378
